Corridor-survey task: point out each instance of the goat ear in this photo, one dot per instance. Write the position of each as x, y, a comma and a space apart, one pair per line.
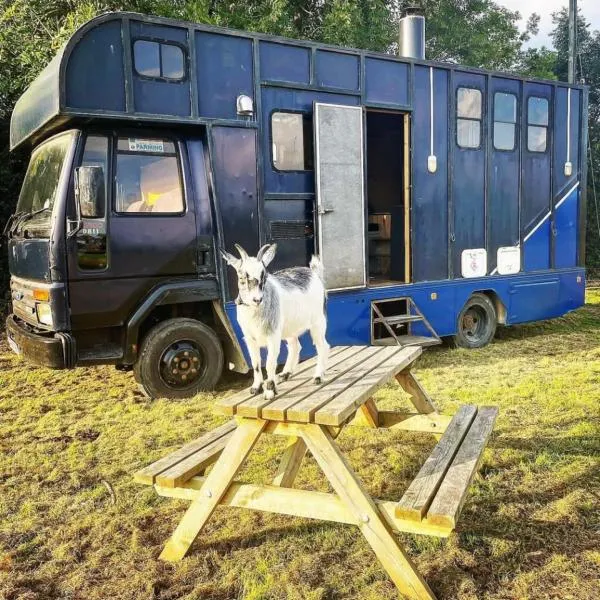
243, 253
267, 253
236, 263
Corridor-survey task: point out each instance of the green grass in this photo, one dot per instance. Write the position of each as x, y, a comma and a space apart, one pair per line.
530, 528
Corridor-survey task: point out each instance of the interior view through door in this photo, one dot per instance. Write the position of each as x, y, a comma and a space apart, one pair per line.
388, 197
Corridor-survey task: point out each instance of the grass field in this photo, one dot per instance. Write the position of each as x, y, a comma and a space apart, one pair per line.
530, 529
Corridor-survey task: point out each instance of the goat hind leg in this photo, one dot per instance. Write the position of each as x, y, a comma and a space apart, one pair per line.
293, 348
317, 333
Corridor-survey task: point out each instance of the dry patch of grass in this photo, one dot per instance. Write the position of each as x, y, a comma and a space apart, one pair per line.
530, 529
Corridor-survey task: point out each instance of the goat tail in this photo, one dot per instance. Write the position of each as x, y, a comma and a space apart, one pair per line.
316, 266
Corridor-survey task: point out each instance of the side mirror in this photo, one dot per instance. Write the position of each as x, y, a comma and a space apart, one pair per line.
89, 192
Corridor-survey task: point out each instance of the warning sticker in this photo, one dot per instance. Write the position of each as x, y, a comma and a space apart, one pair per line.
474, 262
509, 260
146, 145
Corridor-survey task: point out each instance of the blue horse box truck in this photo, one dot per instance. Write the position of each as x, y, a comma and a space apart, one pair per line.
442, 200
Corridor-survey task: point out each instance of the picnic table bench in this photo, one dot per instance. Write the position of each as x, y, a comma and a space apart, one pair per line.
312, 416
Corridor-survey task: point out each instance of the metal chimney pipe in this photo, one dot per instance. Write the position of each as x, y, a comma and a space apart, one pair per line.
411, 41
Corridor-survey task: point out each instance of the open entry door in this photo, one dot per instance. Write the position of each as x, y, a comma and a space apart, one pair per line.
340, 194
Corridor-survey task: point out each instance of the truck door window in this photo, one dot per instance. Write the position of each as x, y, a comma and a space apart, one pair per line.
505, 119
292, 147
468, 117
537, 124
147, 177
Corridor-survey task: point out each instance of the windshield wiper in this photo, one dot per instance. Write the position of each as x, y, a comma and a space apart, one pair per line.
8, 227
25, 216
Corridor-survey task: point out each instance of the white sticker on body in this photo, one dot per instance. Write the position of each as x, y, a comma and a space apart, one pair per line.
146, 145
509, 260
474, 262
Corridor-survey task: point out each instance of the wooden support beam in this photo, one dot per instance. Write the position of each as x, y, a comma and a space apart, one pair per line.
370, 413
299, 503
428, 423
418, 396
290, 463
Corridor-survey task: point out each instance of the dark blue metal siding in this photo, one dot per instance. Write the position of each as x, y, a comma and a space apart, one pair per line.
468, 181
153, 95
234, 172
224, 71
336, 70
430, 190
280, 62
275, 99
503, 186
386, 82
197, 160
92, 82
536, 186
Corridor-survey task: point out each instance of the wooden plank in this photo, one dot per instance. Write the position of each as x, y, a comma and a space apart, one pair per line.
299, 503
450, 498
336, 411
429, 423
418, 396
357, 500
299, 385
215, 485
290, 463
420, 493
228, 405
279, 408
148, 474
303, 411
370, 413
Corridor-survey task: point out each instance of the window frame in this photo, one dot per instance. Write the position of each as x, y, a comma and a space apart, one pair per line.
178, 160
539, 126
161, 42
306, 116
513, 123
479, 120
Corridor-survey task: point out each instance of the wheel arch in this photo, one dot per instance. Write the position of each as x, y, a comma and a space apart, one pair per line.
499, 306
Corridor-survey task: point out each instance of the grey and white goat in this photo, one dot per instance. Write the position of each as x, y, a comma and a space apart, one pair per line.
279, 306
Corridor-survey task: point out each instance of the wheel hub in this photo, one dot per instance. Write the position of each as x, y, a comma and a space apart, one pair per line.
181, 364
473, 323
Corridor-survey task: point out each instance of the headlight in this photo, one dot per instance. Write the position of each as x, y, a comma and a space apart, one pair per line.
44, 314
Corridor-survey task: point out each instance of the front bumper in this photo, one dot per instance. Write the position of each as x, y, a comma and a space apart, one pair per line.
48, 349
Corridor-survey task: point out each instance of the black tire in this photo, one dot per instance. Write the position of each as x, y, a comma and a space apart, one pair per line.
477, 321
178, 359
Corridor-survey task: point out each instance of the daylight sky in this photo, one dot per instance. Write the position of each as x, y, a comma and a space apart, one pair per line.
545, 8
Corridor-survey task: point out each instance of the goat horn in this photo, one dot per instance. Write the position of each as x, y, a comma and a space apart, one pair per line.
242, 252
262, 251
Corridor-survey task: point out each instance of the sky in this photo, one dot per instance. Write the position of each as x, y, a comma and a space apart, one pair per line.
545, 8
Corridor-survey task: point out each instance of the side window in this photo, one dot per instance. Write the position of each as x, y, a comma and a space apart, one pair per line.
505, 120
537, 124
156, 59
468, 117
147, 177
292, 141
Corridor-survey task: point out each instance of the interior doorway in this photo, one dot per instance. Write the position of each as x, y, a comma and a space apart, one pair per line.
388, 197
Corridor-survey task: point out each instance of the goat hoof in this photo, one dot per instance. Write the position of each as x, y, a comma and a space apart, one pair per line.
284, 376
269, 394
318, 380
256, 390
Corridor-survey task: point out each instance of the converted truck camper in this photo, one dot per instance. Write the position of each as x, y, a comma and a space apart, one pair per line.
442, 200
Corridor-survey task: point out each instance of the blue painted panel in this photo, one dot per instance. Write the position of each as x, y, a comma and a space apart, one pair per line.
503, 187
430, 190
197, 161
527, 297
97, 83
536, 247
274, 99
561, 181
337, 70
565, 221
224, 66
281, 62
537, 192
234, 171
158, 32
468, 182
386, 82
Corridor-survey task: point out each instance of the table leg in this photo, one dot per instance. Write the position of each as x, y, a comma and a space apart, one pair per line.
216, 484
418, 396
290, 463
351, 491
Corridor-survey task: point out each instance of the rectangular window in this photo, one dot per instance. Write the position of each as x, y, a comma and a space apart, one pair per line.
505, 119
158, 60
468, 117
292, 141
147, 177
537, 124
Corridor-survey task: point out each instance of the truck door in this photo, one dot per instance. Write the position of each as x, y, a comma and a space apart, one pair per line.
338, 132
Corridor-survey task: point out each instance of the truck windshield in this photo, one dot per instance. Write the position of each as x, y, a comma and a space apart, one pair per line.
40, 186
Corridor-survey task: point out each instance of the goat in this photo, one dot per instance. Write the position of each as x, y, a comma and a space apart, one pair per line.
276, 306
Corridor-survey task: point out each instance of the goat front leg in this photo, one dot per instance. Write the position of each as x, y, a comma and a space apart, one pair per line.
254, 351
273, 347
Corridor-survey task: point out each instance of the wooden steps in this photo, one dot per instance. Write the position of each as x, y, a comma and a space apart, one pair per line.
438, 493
192, 459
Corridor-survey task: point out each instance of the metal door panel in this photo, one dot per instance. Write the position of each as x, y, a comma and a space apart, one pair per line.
340, 194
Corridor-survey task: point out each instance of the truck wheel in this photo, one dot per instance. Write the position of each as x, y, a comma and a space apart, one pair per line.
179, 358
477, 321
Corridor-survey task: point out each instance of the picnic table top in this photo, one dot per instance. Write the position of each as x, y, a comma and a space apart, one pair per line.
354, 374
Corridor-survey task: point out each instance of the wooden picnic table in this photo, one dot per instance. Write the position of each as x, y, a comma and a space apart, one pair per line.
311, 417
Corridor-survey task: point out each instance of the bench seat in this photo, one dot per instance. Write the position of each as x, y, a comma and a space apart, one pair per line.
438, 493
192, 459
